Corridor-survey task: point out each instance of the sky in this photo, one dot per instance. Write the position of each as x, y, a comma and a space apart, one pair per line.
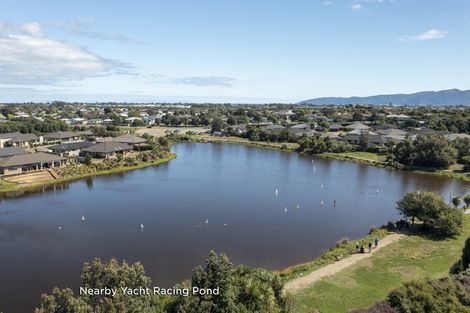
239, 51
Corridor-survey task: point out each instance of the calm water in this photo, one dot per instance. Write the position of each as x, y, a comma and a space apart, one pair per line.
226, 184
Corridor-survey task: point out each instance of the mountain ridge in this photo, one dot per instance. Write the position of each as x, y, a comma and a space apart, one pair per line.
441, 97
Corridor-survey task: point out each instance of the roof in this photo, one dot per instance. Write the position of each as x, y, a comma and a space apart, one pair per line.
357, 126
129, 139
9, 151
108, 147
29, 158
71, 146
18, 137
453, 137
61, 135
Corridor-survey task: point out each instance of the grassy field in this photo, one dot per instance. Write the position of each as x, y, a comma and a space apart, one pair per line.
372, 279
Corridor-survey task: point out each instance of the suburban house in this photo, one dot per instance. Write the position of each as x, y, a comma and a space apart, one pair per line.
300, 129
61, 136
70, 149
17, 164
9, 151
335, 128
392, 134
239, 128
126, 138
453, 137
19, 139
354, 137
275, 128
107, 149
357, 126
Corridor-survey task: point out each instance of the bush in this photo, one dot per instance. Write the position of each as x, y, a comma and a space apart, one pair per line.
443, 295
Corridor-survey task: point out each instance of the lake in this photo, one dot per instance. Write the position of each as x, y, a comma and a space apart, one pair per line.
231, 187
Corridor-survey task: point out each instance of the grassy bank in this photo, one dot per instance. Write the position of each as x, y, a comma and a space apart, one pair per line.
8, 187
284, 146
343, 249
378, 160
370, 280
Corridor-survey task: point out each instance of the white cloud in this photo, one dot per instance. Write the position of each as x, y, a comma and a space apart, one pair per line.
29, 57
356, 6
327, 3
82, 27
429, 35
205, 81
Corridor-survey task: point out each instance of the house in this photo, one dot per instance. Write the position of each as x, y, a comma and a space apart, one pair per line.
392, 134
107, 149
149, 120
335, 128
275, 128
62, 136
9, 151
354, 137
454, 137
19, 139
239, 128
78, 121
357, 126
300, 129
126, 138
17, 164
71, 149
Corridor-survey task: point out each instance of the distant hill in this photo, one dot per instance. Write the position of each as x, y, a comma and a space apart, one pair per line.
442, 97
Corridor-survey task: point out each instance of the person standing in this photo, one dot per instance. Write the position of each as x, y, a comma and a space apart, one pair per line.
370, 246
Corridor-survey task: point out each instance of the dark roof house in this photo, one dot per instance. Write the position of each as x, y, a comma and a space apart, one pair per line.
9, 151
107, 148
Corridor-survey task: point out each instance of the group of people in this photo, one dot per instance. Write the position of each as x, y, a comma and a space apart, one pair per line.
362, 248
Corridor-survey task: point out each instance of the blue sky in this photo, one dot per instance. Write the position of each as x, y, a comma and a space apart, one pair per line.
230, 51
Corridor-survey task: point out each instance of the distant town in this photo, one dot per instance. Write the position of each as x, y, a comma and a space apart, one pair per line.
46, 142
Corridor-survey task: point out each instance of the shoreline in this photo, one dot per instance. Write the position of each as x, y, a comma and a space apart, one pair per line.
11, 187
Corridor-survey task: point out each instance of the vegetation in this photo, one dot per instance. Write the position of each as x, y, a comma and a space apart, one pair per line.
427, 151
241, 289
319, 144
342, 249
432, 211
371, 280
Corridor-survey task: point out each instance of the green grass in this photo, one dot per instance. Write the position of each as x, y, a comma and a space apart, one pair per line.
284, 146
344, 248
371, 280
8, 187
365, 155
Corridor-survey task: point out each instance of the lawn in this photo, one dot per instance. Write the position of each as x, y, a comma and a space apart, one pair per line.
370, 280
365, 156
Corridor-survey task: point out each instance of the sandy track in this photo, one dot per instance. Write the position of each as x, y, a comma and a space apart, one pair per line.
304, 281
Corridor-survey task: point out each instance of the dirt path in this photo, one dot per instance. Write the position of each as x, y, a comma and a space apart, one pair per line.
302, 282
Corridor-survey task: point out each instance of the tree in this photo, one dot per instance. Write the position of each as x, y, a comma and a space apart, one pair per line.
242, 289
466, 163
434, 151
456, 201
62, 301
402, 152
217, 124
433, 212
466, 199
465, 259
87, 159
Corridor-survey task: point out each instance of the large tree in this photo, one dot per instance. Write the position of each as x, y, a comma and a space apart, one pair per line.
432, 211
434, 151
